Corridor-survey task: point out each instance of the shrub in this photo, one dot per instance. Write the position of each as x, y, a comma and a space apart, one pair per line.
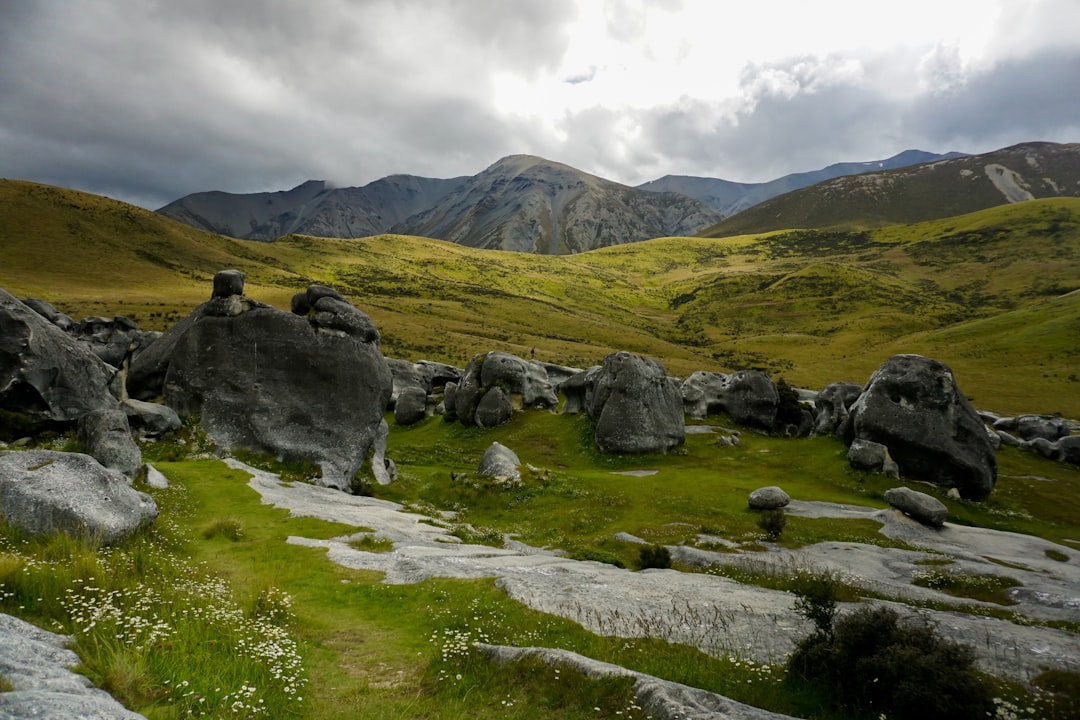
874, 663
654, 556
789, 410
816, 597
772, 522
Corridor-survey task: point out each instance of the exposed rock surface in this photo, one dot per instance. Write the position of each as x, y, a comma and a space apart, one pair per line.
37, 665
494, 383
50, 313
42, 491
831, 406
410, 406
111, 340
912, 406
872, 456
578, 389
106, 436
150, 419
1029, 427
45, 374
500, 463
748, 396
635, 407
310, 387
768, 498
917, 505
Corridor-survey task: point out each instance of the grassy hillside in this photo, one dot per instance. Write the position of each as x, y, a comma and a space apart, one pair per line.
993, 294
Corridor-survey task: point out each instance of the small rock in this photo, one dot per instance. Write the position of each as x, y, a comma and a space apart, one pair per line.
768, 498
918, 506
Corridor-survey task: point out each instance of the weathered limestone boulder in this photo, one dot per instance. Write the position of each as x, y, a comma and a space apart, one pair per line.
405, 375
501, 464
437, 374
768, 498
831, 406
150, 419
310, 387
748, 396
635, 407
1029, 427
520, 383
494, 408
42, 491
1070, 449
872, 456
919, 506
106, 436
1066, 449
111, 340
411, 406
912, 406
45, 375
448, 407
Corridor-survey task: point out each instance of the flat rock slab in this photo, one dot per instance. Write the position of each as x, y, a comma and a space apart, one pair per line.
36, 663
715, 614
636, 473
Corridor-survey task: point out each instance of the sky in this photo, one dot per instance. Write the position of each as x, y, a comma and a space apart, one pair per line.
149, 100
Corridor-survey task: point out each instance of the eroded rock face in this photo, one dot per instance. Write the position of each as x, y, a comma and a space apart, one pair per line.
748, 396
300, 387
635, 407
106, 436
496, 383
42, 492
912, 406
45, 374
831, 406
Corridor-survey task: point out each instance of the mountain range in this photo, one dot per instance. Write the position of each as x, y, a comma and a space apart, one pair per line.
529, 204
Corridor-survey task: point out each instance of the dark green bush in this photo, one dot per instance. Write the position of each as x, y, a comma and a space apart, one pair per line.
654, 556
772, 522
789, 410
874, 664
815, 599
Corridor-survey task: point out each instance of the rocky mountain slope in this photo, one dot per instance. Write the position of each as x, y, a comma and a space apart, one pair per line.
312, 208
529, 204
921, 192
732, 197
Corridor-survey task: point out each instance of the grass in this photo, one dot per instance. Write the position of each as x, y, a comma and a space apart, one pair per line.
987, 588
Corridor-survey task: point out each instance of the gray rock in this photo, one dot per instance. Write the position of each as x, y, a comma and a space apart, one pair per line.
768, 498
153, 477
578, 390
46, 375
494, 408
748, 396
867, 455
296, 387
437, 374
912, 406
382, 467
111, 340
1029, 427
411, 406
1044, 447
106, 436
519, 377
42, 492
635, 407
151, 419
449, 403
36, 663
831, 406
500, 463
1009, 440
405, 375
919, 506
1070, 449
333, 314
228, 282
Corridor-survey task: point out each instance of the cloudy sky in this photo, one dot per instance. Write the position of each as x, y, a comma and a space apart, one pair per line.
148, 100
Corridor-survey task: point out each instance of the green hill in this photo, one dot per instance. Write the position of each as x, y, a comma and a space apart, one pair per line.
993, 293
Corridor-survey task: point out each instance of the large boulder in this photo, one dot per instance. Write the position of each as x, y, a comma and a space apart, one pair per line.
1029, 427
501, 464
831, 406
111, 340
42, 492
150, 419
50, 313
106, 436
578, 389
912, 406
45, 375
748, 396
494, 408
300, 387
411, 406
872, 456
919, 506
635, 407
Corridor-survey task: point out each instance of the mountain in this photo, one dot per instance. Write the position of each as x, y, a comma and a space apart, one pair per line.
312, 208
529, 204
919, 192
732, 197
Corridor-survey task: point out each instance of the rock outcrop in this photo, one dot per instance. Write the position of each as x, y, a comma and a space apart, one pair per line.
45, 375
500, 464
912, 406
42, 492
635, 407
770, 497
309, 386
831, 406
496, 383
748, 396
